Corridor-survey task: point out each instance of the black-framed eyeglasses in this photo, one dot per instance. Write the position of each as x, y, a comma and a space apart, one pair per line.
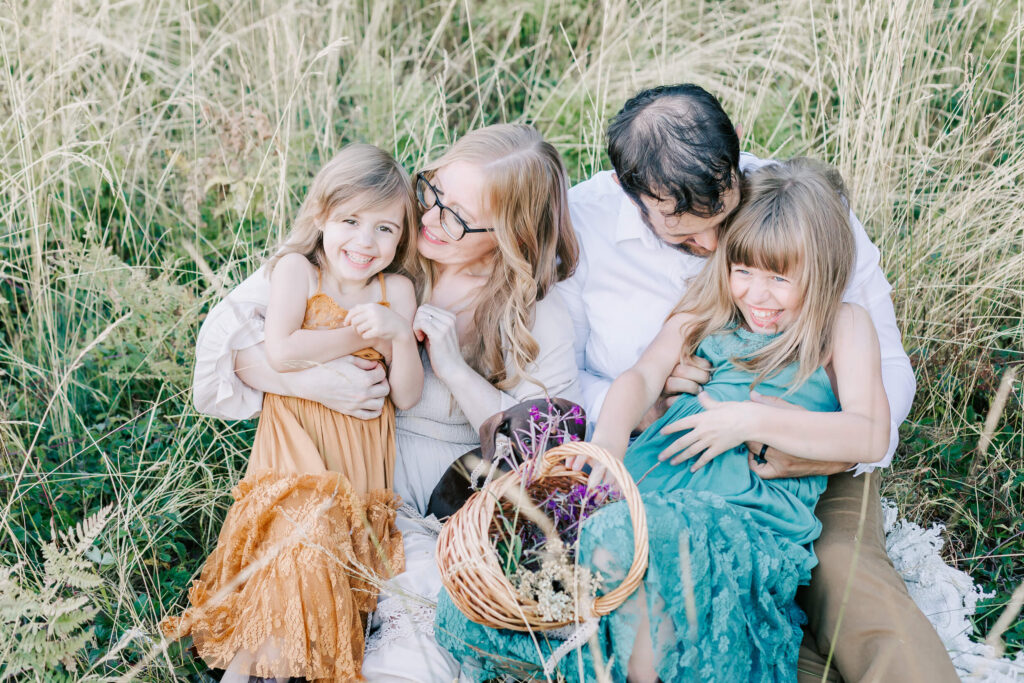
452, 223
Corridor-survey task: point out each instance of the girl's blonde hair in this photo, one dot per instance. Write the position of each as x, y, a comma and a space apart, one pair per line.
526, 199
358, 173
793, 219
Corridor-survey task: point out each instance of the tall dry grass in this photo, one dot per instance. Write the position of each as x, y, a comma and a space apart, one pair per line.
151, 153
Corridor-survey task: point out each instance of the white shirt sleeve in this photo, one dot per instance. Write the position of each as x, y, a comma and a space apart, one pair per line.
233, 324
593, 387
555, 365
870, 289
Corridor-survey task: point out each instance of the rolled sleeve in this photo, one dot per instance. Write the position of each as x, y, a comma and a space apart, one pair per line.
871, 290
555, 367
235, 323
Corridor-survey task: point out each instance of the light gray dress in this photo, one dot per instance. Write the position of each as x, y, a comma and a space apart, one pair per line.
429, 437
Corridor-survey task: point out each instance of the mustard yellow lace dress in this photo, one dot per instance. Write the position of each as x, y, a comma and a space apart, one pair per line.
313, 519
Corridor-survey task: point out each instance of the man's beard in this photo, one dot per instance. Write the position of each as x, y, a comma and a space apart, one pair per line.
691, 249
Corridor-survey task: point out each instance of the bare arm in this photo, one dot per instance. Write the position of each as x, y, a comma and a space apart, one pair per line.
348, 385
288, 346
637, 389
858, 433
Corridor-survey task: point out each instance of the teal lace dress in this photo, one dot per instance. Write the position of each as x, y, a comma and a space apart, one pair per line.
727, 552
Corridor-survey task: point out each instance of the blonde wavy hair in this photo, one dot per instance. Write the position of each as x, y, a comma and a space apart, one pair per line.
793, 219
526, 199
370, 178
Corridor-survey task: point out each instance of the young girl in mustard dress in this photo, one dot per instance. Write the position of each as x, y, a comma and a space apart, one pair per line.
287, 590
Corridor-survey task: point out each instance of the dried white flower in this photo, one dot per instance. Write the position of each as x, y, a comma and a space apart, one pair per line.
559, 587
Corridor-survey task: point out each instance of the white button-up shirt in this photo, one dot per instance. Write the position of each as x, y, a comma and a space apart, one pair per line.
628, 281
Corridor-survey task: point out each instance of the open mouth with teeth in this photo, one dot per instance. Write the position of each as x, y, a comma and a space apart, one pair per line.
431, 237
764, 317
358, 259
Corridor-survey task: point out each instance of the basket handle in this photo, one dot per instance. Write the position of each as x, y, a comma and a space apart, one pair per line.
606, 603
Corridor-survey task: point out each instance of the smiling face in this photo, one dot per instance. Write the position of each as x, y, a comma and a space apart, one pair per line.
768, 301
360, 241
460, 186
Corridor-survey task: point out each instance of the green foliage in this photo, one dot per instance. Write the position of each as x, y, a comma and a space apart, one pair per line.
153, 153
45, 622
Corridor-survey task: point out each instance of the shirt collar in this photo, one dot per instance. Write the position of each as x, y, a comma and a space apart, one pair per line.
630, 225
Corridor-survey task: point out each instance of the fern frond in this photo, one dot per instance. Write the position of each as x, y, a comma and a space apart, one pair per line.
43, 624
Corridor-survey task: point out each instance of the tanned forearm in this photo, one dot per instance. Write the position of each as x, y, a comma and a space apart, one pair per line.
835, 437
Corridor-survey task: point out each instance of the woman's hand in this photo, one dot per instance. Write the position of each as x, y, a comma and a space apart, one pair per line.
722, 425
373, 321
436, 327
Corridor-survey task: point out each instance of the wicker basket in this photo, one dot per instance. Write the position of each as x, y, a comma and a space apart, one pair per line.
469, 562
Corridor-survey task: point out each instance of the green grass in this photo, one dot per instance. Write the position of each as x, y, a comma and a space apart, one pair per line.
152, 152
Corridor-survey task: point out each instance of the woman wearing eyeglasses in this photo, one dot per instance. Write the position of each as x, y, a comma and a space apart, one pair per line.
495, 237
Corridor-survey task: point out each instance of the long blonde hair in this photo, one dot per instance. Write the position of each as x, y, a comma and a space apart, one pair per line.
526, 198
793, 219
362, 173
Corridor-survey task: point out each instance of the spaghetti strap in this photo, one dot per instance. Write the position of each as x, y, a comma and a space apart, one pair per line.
319, 281
383, 291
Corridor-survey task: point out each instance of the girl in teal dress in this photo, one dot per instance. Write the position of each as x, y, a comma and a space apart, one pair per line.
727, 548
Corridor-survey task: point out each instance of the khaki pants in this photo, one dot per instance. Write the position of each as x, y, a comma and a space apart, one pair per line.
882, 634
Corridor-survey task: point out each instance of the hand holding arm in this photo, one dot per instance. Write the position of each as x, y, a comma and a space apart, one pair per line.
288, 346
857, 433
779, 465
688, 377
391, 326
349, 385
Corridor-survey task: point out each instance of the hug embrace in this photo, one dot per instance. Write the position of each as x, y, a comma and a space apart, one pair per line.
723, 321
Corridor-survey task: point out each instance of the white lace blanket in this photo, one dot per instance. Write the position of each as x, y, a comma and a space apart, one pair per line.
947, 596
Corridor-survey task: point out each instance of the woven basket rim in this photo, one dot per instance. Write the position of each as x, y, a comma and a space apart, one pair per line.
468, 562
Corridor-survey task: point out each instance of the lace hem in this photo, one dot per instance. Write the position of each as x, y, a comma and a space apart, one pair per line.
403, 613
397, 619
294, 574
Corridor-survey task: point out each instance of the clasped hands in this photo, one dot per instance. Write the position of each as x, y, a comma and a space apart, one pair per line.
436, 328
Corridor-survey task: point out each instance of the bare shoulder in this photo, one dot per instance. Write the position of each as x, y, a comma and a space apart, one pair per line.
294, 264
400, 288
401, 294
294, 269
853, 318
854, 328
678, 322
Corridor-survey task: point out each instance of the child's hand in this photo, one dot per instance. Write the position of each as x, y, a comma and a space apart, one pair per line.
722, 425
373, 321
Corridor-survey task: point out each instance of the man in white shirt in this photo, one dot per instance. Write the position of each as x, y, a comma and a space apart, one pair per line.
638, 250
644, 230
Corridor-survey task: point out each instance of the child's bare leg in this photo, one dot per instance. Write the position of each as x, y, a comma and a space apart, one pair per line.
243, 662
641, 661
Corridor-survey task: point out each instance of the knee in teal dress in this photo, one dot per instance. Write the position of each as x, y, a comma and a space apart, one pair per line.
727, 552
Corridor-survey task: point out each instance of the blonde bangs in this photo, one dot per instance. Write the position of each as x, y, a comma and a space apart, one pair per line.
759, 236
793, 220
